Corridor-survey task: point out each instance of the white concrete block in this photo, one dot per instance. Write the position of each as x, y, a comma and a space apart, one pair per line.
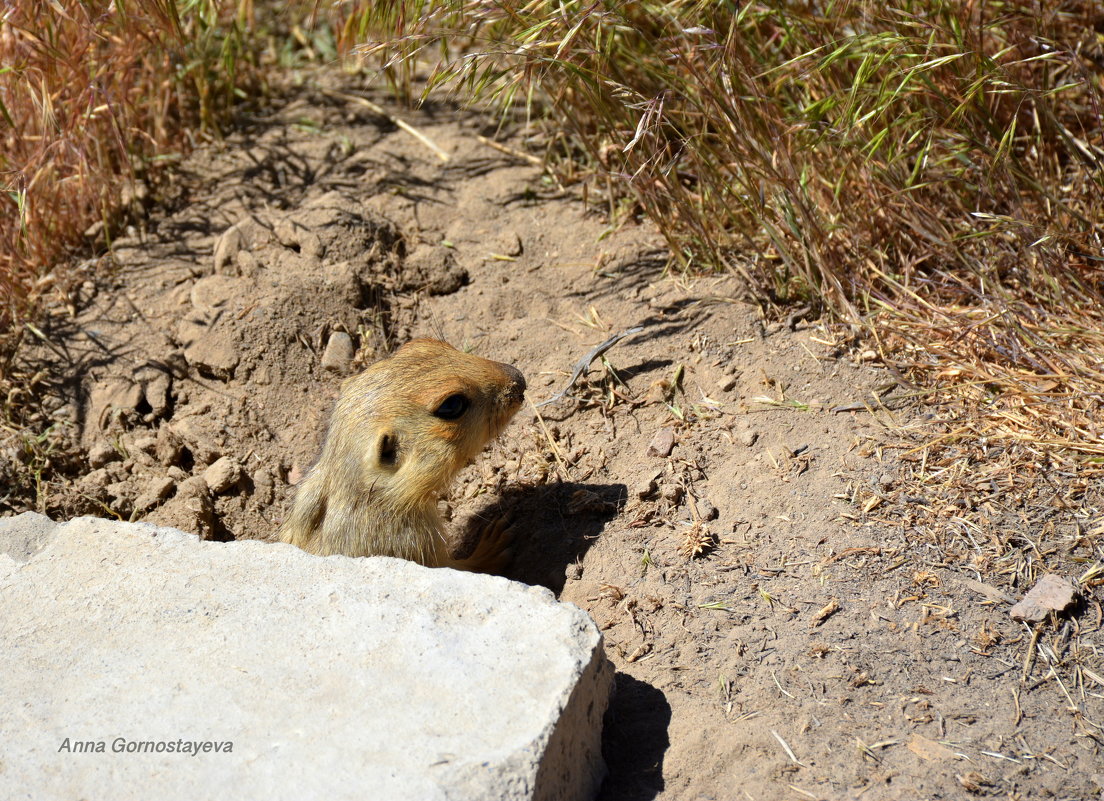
299, 677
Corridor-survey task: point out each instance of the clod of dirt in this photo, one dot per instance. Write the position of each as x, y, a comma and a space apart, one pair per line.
339, 352
433, 269
214, 354
156, 391
222, 475
645, 487
508, 243
122, 493
346, 231
145, 447
159, 489
101, 453
299, 238
191, 509
672, 493
663, 442
168, 447
236, 238
1051, 592
94, 484
214, 291
196, 432
264, 486
111, 400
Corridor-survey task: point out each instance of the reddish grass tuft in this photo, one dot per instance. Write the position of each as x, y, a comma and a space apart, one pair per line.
94, 96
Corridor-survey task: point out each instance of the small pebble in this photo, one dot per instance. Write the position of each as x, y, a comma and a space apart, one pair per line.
748, 438
222, 475
339, 352
1051, 592
727, 383
662, 443
706, 510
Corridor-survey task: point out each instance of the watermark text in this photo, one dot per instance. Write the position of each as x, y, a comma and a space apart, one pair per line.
121, 745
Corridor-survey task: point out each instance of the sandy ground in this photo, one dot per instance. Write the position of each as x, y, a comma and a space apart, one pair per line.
720, 492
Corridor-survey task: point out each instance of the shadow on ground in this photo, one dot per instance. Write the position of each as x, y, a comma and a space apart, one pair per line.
552, 525
634, 741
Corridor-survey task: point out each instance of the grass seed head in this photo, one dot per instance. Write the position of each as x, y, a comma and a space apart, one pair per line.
697, 541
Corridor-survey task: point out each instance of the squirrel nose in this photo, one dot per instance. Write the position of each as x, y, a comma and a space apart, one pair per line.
516, 391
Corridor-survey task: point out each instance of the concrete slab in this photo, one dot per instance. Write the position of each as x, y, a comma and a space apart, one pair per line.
139, 662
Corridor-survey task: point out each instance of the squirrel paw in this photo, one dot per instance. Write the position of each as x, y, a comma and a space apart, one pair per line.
493, 552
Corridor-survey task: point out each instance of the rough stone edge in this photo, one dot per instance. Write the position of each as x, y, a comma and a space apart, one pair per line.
23, 536
570, 763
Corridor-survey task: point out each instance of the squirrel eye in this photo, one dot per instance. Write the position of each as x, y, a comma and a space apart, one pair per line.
452, 407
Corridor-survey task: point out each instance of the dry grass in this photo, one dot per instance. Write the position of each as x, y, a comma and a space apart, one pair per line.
87, 91
866, 146
95, 98
929, 170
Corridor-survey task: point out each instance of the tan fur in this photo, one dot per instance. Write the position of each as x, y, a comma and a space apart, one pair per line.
388, 458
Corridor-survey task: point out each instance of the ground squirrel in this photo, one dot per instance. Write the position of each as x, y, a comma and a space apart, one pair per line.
399, 433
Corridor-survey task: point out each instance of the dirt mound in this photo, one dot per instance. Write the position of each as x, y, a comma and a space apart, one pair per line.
708, 489
227, 348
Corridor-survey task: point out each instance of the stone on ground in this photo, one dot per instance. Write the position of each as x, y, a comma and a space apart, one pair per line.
128, 647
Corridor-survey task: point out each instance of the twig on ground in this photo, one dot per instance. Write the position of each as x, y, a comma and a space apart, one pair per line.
376, 109
584, 363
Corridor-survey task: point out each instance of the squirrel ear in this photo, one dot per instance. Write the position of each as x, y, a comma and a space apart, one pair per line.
388, 449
